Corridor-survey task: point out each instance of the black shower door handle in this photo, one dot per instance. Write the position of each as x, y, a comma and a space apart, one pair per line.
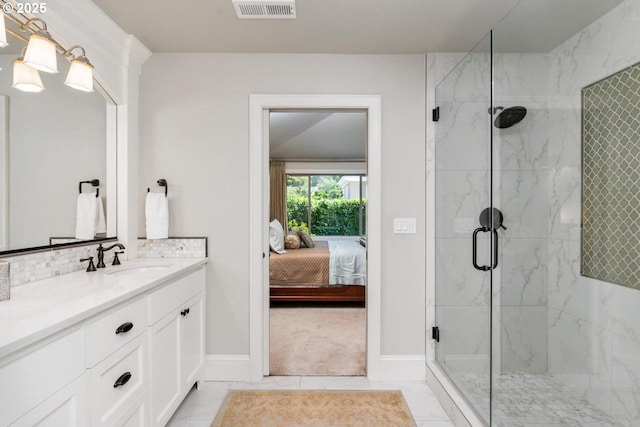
495, 249
474, 257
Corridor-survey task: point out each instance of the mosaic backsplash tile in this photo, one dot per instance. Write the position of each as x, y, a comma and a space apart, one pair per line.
611, 179
30, 267
4, 281
173, 247
42, 265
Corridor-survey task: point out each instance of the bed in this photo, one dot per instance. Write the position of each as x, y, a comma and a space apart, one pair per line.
332, 271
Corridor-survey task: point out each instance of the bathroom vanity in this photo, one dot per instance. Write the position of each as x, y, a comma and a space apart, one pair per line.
120, 347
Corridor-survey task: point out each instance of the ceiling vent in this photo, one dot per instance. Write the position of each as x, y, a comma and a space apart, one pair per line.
265, 9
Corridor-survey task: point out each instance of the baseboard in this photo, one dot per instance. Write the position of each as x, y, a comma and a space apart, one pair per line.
402, 368
227, 368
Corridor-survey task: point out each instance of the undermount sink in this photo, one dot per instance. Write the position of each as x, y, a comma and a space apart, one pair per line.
138, 268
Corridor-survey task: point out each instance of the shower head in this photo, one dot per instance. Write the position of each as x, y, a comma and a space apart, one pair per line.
509, 117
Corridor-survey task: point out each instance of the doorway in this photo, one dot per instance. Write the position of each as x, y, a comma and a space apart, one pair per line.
317, 281
260, 105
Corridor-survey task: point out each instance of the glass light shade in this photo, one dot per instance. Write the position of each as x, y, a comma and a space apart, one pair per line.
41, 53
80, 75
25, 78
3, 32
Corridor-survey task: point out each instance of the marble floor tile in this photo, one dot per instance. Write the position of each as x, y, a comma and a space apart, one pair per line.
431, 423
334, 383
268, 383
189, 423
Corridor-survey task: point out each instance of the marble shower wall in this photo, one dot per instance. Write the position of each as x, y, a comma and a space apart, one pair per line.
594, 332
520, 192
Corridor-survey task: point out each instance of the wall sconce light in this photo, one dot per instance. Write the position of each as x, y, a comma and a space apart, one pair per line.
3, 32
41, 50
80, 75
41, 55
25, 78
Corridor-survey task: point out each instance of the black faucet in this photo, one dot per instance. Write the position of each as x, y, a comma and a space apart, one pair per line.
102, 250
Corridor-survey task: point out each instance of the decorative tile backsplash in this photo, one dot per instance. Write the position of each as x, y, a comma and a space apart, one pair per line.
30, 267
611, 177
4, 281
173, 247
42, 265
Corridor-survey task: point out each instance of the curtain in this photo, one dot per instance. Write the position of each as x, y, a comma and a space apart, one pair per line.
278, 193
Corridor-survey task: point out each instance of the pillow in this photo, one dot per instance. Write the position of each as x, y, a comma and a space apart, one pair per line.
276, 237
306, 239
291, 241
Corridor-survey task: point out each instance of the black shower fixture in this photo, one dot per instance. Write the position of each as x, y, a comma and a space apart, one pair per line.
509, 116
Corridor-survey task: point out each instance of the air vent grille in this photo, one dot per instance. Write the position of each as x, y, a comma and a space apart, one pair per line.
265, 9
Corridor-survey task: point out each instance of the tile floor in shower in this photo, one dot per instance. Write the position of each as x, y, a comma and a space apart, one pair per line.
533, 400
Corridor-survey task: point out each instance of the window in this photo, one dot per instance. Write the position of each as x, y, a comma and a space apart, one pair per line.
327, 205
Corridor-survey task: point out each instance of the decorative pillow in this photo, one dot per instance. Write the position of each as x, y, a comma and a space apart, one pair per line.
276, 237
306, 239
291, 241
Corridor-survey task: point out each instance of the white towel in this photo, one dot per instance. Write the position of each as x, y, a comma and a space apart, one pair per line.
101, 221
86, 214
157, 216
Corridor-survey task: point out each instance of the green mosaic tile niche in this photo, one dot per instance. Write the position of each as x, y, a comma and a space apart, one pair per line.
611, 179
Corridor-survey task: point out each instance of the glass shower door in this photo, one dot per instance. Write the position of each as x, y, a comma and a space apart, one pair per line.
465, 237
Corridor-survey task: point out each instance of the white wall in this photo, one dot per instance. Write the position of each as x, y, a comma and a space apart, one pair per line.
194, 130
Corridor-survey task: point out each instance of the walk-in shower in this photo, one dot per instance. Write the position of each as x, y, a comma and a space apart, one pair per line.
535, 304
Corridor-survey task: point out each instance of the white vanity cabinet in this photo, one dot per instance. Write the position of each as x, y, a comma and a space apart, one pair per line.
124, 353
176, 319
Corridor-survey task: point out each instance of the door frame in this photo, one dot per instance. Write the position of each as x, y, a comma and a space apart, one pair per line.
259, 106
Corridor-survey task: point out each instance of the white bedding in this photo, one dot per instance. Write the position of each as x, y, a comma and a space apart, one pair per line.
347, 263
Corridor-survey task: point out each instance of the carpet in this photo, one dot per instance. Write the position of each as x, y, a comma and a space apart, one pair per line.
314, 408
317, 341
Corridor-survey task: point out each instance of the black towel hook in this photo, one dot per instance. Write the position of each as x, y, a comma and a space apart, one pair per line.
93, 182
162, 183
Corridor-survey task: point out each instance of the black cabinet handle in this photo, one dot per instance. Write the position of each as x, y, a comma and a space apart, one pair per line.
124, 328
122, 380
184, 312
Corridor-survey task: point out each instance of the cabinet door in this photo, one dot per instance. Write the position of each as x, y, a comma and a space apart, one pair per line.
65, 408
192, 341
165, 374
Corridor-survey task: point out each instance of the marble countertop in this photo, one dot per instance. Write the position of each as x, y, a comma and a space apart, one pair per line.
42, 308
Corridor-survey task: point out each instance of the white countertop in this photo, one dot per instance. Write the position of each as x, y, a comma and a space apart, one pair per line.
42, 308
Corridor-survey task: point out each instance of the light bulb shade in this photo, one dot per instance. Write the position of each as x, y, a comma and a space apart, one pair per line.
3, 32
25, 78
80, 75
41, 53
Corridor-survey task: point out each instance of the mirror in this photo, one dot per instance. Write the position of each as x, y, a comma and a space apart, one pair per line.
49, 142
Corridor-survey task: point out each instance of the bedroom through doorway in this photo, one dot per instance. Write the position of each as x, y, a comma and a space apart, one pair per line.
317, 237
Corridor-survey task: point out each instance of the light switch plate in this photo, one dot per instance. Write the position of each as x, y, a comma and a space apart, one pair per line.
404, 226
